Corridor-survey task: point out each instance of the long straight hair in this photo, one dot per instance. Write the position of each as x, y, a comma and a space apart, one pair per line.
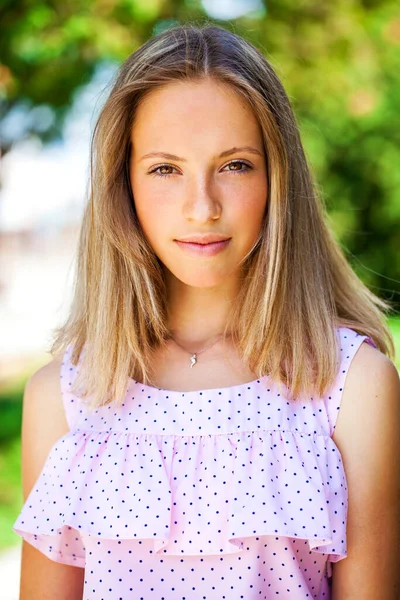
297, 284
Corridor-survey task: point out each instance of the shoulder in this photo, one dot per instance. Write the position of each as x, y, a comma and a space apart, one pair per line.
372, 388
371, 397
43, 390
43, 420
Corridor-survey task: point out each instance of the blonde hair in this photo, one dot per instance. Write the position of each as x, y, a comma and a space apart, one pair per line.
297, 284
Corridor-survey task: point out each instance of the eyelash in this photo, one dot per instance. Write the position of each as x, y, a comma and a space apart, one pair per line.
233, 162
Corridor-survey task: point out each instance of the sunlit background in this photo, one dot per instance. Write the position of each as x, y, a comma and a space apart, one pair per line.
340, 64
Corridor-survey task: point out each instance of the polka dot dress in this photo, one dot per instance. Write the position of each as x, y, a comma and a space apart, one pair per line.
205, 495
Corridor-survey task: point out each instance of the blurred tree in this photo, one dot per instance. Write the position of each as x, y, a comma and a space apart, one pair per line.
339, 62
49, 48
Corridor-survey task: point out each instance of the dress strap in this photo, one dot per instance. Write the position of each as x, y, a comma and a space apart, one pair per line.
349, 341
68, 373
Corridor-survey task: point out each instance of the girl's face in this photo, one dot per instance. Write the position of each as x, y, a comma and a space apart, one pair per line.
198, 169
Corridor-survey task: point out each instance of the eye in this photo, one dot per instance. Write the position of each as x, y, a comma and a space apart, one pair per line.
238, 163
156, 173
243, 168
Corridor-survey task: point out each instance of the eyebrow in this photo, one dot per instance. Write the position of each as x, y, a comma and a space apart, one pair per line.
222, 155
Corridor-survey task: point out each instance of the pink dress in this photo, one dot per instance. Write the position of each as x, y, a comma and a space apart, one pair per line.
216, 494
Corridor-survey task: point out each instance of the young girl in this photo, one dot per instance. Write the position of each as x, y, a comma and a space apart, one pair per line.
212, 425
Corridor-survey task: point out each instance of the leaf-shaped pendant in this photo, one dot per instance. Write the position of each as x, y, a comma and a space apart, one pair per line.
193, 360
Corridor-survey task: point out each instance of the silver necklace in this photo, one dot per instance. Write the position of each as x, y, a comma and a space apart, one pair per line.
194, 355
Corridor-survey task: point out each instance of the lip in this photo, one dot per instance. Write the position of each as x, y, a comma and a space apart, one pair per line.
207, 238
203, 249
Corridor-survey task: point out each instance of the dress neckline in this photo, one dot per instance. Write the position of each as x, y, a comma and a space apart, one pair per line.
221, 390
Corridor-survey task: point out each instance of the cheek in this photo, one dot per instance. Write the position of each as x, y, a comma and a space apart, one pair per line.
249, 207
151, 209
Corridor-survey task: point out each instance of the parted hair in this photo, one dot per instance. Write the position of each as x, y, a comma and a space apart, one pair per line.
297, 285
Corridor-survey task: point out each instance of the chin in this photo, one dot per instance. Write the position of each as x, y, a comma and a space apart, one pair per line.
202, 279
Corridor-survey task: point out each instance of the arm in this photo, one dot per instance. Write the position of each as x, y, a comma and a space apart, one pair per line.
368, 436
43, 423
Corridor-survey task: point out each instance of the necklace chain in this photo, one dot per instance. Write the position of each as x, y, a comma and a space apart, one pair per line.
194, 355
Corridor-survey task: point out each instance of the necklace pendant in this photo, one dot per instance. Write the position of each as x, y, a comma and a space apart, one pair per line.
193, 360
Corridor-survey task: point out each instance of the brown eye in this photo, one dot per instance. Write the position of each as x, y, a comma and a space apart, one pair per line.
239, 166
165, 167
157, 171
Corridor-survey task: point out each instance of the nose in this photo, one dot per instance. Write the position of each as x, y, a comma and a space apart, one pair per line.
201, 202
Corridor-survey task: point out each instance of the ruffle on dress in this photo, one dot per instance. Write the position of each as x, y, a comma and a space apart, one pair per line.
192, 495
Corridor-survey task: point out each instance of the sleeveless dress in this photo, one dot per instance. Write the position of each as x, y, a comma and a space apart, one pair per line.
216, 494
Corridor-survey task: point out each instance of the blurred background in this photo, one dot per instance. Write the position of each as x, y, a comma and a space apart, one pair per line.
340, 64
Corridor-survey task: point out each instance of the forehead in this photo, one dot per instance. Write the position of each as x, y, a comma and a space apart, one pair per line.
193, 107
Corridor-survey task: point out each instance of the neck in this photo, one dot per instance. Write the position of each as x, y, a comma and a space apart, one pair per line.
197, 316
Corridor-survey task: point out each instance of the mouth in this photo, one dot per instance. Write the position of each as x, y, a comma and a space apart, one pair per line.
203, 239
202, 248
